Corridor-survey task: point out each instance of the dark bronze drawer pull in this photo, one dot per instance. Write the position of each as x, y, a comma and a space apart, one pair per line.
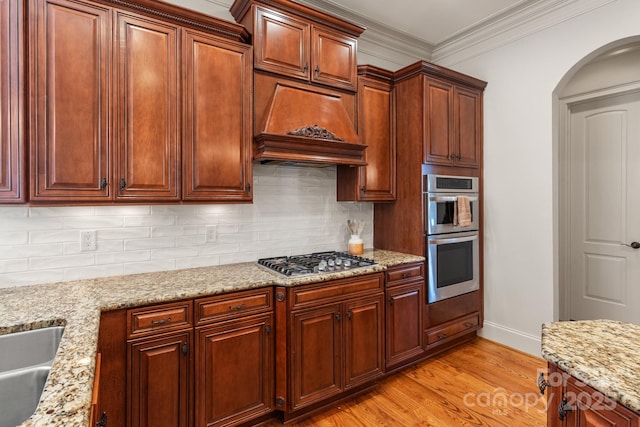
563, 408
237, 307
469, 325
542, 383
442, 336
161, 321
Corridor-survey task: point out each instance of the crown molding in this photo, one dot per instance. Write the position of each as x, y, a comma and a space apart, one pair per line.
379, 40
397, 47
526, 19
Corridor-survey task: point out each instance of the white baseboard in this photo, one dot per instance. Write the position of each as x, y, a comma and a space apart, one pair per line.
512, 338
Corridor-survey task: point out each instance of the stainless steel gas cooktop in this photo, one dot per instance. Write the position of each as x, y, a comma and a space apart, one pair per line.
319, 262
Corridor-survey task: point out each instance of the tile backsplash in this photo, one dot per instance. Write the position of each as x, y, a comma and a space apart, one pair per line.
294, 211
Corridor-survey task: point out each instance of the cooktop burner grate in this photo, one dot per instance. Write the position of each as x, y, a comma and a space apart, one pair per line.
318, 262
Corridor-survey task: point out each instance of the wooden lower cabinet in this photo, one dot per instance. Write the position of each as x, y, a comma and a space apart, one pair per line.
364, 340
159, 379
405, 301
234, 371
331, 342
336, 347
316, 337
571, 403
404, 323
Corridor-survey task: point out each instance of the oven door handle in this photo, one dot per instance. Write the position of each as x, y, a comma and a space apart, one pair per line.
453, 240
450, 198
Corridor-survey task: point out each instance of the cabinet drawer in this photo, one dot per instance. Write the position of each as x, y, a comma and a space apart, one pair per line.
158, 318
452, 329
336, 289
405, 273
238, 303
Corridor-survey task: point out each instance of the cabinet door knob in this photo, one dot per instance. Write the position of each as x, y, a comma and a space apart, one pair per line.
317, 70
459, 156
452, 156
306, 67
103, 183
363, 189
123, 184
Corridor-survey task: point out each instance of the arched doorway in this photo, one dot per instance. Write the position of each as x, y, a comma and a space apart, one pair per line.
598, 185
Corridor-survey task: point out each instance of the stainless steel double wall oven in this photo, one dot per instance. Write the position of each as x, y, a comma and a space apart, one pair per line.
452, 250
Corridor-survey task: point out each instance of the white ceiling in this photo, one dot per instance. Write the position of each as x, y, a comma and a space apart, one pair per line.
432, 21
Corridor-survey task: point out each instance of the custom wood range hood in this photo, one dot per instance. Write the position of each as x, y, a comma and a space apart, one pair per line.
305, 79
306, 124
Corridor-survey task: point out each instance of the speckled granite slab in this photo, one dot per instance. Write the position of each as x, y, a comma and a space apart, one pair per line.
604, 354
66, 399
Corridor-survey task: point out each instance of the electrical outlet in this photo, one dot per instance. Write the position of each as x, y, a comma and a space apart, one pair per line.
88, 240
211, 233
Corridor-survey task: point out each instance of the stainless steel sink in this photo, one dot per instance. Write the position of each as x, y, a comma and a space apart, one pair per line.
24, 366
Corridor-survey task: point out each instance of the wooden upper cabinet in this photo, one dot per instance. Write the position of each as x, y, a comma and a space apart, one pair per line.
333, 58
217, 119
375, 182
453, 124
117, 92
282, 44
12, 179
300, 42
69, 120
468, 126
148, 71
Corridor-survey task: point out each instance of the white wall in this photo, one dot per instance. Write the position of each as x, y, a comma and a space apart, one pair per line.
520, 160
294, 212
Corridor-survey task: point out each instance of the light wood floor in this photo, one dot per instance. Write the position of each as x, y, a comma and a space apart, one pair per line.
479, 384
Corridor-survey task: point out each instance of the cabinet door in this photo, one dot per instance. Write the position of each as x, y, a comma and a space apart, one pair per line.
438, 122
468, 126
281, 44
12, 180
316, 355
217, 122
376, 126
364, 340
404, 322
333, 58
234, 365
375, 182
158, 381
592, 409
147, 109
71, 43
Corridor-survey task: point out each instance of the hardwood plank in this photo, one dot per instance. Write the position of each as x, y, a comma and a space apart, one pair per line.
481, 383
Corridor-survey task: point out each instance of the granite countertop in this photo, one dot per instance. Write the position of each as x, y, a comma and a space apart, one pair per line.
603, 354
77, 305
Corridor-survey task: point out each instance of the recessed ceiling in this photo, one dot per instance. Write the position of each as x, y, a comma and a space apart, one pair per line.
432, 21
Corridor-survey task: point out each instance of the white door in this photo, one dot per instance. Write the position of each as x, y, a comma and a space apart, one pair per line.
605, 209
